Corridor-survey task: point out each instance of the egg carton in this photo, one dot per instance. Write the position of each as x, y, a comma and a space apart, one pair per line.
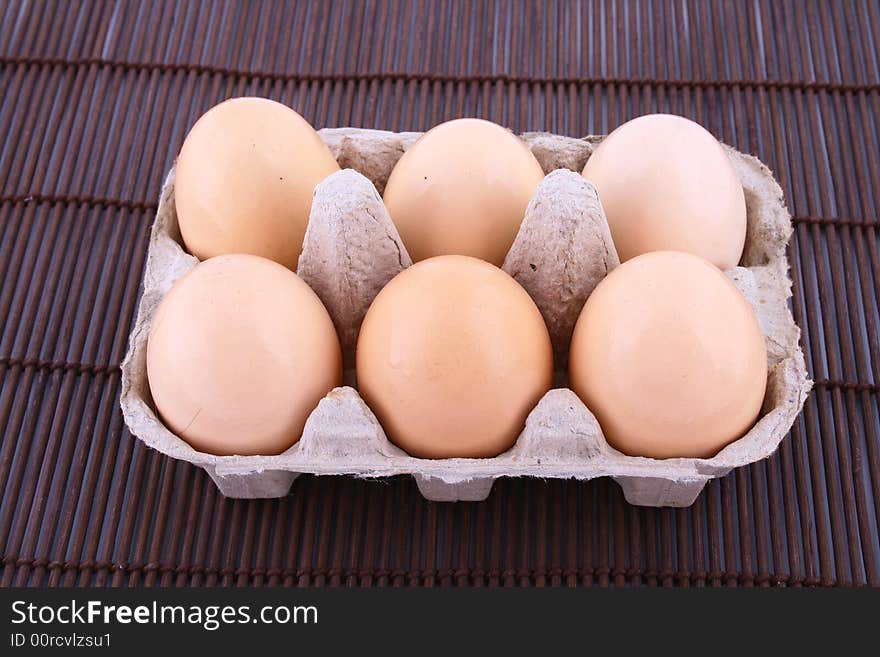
563, 249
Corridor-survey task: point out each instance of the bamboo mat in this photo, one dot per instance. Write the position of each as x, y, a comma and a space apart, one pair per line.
95, 99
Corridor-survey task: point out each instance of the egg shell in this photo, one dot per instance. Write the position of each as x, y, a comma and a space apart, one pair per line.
452, 356
666, 184
561, 439
462, 189
669, 356
240, 353
245, 178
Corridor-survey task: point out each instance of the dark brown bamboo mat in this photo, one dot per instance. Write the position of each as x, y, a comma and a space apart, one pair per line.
95, 98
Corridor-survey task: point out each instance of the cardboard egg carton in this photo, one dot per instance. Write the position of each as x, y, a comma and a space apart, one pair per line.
563, 249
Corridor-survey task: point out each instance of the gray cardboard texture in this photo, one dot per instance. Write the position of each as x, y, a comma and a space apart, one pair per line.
352, 249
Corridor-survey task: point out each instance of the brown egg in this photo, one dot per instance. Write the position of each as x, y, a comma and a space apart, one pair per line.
669, 357
239, 354
452, 356
666, 184
245, 178
462, 189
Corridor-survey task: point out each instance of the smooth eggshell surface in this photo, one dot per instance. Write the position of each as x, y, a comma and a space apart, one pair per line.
669, 357
452, 356
666, 184
463, 189
245, 178
239, 354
